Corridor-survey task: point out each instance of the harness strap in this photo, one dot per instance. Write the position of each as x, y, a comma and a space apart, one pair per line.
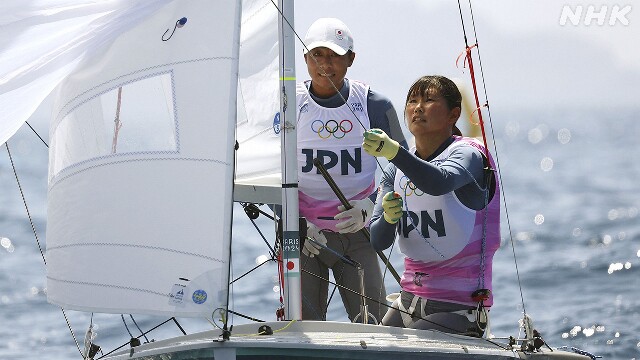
479, 315
407, 319
469, 314
482, 317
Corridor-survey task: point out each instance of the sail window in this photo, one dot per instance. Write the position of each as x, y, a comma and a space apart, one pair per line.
132, 118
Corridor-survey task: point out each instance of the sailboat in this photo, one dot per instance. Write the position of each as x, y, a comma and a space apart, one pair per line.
148, 152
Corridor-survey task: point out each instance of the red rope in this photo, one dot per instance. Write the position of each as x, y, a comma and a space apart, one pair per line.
280, 311
469, 60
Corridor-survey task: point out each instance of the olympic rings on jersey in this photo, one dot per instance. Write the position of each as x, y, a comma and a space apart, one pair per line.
332, 127
408, 187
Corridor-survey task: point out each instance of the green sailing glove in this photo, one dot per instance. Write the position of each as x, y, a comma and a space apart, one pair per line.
377, 143
392, 206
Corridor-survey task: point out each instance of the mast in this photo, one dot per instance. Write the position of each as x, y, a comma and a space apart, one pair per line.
290, 213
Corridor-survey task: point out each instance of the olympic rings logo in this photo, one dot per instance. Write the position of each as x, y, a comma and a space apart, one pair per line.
331, 127
409, 188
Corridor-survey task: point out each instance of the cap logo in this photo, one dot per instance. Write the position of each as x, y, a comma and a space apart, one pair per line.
339, 34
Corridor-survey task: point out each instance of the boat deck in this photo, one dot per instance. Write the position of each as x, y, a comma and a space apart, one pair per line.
329, 340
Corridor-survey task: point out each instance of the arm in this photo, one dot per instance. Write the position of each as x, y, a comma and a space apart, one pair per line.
382, 115
461, 171
383, 233
463, 167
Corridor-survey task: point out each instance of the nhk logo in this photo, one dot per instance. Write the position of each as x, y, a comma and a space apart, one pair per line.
587, 15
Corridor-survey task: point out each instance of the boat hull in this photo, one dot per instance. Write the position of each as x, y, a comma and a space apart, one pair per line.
330, 340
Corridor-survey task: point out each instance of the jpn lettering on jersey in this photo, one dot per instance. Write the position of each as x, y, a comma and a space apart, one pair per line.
349, 162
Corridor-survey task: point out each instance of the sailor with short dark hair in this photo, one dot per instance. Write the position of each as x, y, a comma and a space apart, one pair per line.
441, 202
333, 113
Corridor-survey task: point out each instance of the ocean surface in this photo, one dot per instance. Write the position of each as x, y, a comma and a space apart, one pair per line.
571, 183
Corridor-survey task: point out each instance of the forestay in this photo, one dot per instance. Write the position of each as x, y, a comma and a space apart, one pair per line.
141, 167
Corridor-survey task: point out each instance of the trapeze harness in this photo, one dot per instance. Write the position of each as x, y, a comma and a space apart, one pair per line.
441, 239
333, 135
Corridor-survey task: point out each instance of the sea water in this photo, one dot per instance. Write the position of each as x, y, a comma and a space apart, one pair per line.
571, 228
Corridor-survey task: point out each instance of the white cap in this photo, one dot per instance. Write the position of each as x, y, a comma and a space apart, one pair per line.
330, 33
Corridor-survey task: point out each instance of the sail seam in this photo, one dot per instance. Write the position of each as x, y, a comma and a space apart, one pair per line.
136, 72
135, 246
75, 282
60, 115
55, 181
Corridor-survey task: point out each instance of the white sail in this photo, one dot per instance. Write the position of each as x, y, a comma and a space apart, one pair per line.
142, 163
43, 41
266, 124
141, 168
258, 175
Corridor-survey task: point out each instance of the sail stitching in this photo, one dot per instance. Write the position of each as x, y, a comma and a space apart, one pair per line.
55, 181
135, 246
136, 72
255, 13
108, 286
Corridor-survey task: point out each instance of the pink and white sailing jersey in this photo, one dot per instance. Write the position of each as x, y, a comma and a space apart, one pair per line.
335, 136
442, 238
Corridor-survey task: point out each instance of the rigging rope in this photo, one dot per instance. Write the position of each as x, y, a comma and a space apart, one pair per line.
38, 135
468, 56
469, 59
35, 233
44, 260
284, 18
324, 73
